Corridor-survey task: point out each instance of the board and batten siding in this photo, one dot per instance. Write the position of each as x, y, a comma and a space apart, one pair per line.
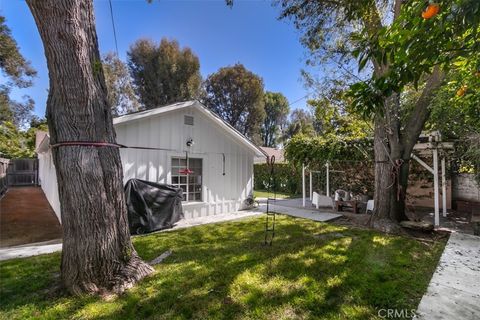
220, 193
48, 181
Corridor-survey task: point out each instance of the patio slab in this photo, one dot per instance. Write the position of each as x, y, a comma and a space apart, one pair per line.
294, 208
454, 290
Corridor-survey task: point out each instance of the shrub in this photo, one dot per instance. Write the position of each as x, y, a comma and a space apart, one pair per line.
287, 178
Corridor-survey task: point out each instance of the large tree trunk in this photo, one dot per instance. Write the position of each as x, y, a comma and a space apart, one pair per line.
97, 252
393, 146
390, 179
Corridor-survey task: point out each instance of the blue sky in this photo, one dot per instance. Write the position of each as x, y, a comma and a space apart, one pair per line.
249, 33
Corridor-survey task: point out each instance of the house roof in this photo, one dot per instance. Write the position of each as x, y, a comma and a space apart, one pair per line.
278, 153
234, 133
42, 142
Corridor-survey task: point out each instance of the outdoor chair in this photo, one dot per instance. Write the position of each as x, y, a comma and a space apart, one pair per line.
321, 201
370, 206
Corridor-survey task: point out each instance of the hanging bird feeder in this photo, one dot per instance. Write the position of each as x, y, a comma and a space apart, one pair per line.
186, 171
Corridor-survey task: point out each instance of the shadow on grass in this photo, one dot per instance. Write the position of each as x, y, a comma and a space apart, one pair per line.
224, 271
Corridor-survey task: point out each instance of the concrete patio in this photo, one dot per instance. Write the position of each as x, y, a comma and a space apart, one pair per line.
294, 207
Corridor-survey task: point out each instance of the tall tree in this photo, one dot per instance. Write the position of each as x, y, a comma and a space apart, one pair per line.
236, 95
19, 73
274, 125
301, 122
164, 73
331, 118
12, 62
97, 254
396, 44
121, 94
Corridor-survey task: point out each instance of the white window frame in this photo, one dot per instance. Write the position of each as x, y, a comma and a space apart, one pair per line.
187, 182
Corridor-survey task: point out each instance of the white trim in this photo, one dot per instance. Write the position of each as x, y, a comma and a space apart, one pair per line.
44, 145
181, 155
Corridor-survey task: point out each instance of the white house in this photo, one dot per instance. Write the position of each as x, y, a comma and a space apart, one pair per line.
220, 157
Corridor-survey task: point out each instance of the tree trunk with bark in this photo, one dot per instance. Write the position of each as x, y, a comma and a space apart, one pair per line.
393, 145
97, 255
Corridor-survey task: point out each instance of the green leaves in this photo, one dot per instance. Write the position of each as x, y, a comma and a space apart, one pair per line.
411, 46
12, 63
163, 73
316, 150
236, 95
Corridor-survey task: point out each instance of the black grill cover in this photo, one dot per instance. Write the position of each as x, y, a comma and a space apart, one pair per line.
152, 206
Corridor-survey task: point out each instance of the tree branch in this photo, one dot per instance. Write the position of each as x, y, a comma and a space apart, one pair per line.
396, 9
421, 111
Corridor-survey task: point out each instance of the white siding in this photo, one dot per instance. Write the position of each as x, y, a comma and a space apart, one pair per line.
48, 181
220, 194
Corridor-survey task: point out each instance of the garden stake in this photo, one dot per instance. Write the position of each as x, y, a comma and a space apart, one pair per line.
270, 229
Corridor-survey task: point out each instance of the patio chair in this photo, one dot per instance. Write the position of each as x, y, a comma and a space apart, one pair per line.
342, 195
370, 206
321, 201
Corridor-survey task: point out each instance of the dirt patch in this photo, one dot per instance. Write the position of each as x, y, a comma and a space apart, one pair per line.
26, 217
455, 221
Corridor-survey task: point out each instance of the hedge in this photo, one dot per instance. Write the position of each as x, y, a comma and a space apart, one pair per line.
288, 179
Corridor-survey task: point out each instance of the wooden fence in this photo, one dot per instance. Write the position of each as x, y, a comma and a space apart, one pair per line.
22, 172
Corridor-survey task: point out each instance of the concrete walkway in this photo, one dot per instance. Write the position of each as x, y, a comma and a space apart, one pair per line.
34, 249
454, 291
287, 207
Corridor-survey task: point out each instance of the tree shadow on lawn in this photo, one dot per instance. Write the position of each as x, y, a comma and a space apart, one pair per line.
224, 271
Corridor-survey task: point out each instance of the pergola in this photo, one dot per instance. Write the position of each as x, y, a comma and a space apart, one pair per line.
434, 145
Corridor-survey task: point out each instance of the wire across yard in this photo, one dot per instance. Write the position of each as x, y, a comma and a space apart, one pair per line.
222, 271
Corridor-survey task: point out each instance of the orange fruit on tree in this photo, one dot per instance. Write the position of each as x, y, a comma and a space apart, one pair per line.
431, 11
461, 92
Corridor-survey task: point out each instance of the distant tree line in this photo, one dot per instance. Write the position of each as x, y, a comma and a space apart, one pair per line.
18, 123
158, 74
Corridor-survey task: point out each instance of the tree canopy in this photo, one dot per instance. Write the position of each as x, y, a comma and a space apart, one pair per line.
236, 94
12, 62
163, 73
275, 123
385, 49
301, 122
15, 116
121, 93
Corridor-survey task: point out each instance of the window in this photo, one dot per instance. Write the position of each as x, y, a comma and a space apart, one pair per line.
191, 183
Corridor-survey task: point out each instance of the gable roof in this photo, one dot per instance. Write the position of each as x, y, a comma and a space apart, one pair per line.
42, 142
234, 133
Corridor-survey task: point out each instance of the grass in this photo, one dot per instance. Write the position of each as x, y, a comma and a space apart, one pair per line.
268, 194
222, 271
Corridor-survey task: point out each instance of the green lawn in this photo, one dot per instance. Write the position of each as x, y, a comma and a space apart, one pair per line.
268, 194
222, 271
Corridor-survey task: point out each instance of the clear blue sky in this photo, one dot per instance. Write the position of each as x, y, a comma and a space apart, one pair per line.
249, 33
